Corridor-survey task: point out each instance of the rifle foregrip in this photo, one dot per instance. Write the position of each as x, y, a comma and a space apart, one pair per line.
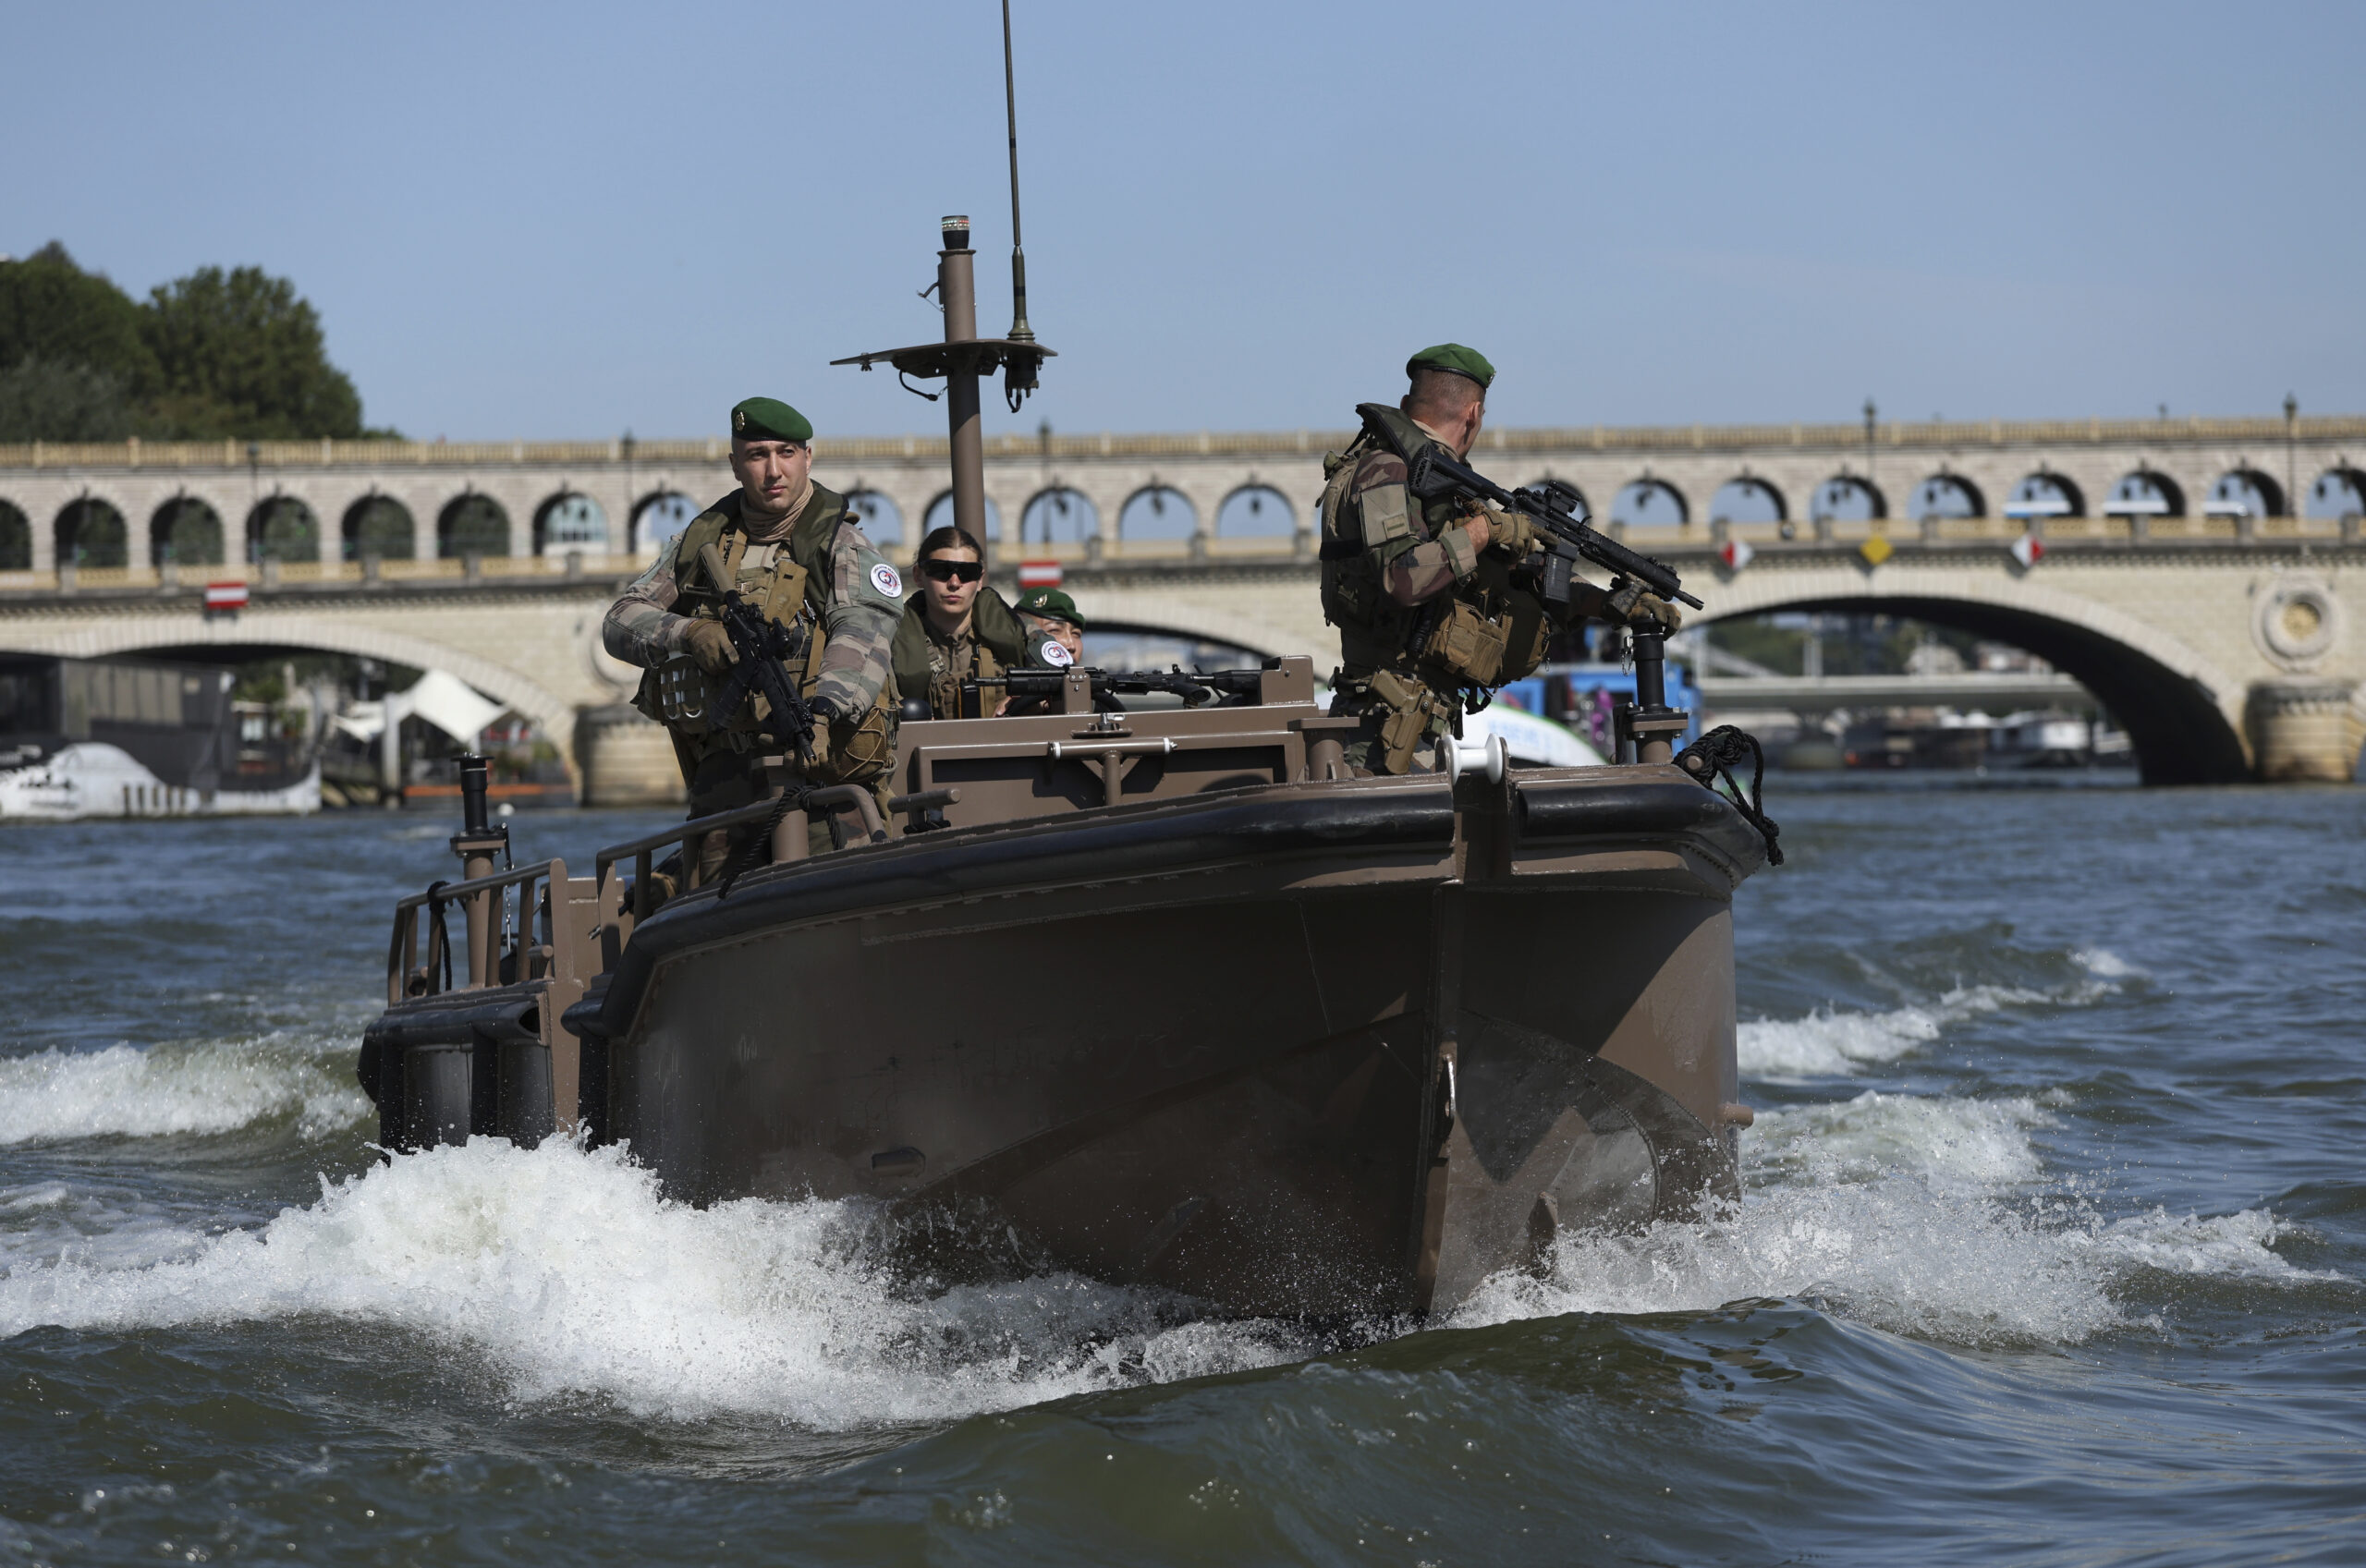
717, 573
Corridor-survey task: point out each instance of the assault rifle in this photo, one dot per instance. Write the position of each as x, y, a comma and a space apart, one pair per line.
1198, 689
761, 643
1558, 516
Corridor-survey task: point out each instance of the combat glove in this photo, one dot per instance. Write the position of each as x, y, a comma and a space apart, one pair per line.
711, 645
1511, 532
1651, 609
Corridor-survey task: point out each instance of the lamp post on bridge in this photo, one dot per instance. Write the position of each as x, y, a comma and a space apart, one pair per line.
2292, 456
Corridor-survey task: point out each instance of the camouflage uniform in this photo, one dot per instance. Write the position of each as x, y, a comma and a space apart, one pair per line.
930, 664
1425, 620
816, 573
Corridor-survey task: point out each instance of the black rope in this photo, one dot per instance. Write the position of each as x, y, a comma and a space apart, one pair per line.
1713, 756
439, 935
790, 800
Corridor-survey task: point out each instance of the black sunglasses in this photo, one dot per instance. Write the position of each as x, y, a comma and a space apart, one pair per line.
947, 571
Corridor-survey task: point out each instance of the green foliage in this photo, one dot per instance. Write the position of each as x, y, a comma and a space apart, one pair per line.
16, 540
474, 525
216, 353
239, 354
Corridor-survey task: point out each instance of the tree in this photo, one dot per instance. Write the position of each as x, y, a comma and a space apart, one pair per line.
240, 354
59, 400
53, 311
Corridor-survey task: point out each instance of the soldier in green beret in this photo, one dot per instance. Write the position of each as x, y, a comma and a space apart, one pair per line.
1053, 614
1437, 603
795, 548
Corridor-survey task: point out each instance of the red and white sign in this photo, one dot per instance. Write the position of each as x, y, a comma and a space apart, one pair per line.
1039, 574
2028, 549
225, 597
1736, 553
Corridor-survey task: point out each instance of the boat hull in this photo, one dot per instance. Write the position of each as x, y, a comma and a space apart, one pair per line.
1322, 1050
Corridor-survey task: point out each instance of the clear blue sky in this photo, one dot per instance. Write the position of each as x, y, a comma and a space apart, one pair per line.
568, 221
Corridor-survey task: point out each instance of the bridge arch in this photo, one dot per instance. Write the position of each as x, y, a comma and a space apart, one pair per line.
1948, 495
325, 632
281, 528
185, 531
1059, 511
1746, 499
2245, 493
882, 519
2184, 716
2145, 492
471, 523
1157, 511
570, 520
1647, 500
2045, 495
1848, 498
658, 516
940, 516
16, 538
1256, 509
2338, 492
381, 526
92, 532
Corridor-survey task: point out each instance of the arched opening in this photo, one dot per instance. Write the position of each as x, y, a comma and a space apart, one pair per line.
940, 516
283, 528
379, 526
659, 518
185, 531
1256, 511
2043, 495
472, 524
91, 532
1948, 495
16, 538
1844, 498
2244, 493
2173, 724
1648, 504
882, 519
569, 520
1157, 511
2338, 492
1747, 499
1059, 515
2145, 495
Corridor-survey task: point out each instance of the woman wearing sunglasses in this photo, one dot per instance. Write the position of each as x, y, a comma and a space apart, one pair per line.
957, 629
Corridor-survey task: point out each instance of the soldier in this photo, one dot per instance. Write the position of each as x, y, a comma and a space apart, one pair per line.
1434, 602
793, 548
958, 629
1053, 614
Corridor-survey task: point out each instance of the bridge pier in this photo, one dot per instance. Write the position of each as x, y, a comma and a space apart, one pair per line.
2305, 731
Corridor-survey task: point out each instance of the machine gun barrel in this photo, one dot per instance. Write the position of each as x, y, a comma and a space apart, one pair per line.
1190, 685
1433, 474
761, 644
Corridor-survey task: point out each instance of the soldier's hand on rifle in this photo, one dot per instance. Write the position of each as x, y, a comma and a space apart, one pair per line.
821, 741
1651, 609
1513, 533
708, 643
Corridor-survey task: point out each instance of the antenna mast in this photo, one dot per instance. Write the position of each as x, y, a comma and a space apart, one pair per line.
1020, 331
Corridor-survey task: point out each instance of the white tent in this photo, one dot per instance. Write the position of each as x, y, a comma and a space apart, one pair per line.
440, 697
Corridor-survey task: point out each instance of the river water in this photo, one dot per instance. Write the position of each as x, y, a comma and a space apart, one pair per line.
2053, 1251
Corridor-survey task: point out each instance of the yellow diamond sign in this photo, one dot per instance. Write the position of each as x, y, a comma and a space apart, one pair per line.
1876, 550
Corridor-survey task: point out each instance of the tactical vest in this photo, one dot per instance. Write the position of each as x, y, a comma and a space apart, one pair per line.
997, 637
1489, 629
793, 591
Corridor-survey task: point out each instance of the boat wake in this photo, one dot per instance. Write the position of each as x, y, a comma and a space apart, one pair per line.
203, 1087
1836, 1043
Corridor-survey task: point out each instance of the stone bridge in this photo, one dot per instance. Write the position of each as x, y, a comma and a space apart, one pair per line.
2195, 578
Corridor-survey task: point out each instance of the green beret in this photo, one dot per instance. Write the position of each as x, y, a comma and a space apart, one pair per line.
769, 419
1453, 357
1051, 603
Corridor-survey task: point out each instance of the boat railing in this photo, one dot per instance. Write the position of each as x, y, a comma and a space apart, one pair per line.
503, 943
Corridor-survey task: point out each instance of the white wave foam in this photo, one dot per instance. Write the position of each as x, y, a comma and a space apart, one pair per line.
1829, 1043
1964, 1145
212, 1086
99, 1228
573, 1277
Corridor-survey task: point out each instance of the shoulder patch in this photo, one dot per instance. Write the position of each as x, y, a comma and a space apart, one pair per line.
1055, 654
883, 578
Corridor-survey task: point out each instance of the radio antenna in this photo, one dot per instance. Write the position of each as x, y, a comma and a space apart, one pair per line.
1020, 331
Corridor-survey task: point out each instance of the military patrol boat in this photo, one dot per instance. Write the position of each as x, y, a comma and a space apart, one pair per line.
1165, 994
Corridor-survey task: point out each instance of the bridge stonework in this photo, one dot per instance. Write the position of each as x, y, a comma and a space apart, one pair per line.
2223, 640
